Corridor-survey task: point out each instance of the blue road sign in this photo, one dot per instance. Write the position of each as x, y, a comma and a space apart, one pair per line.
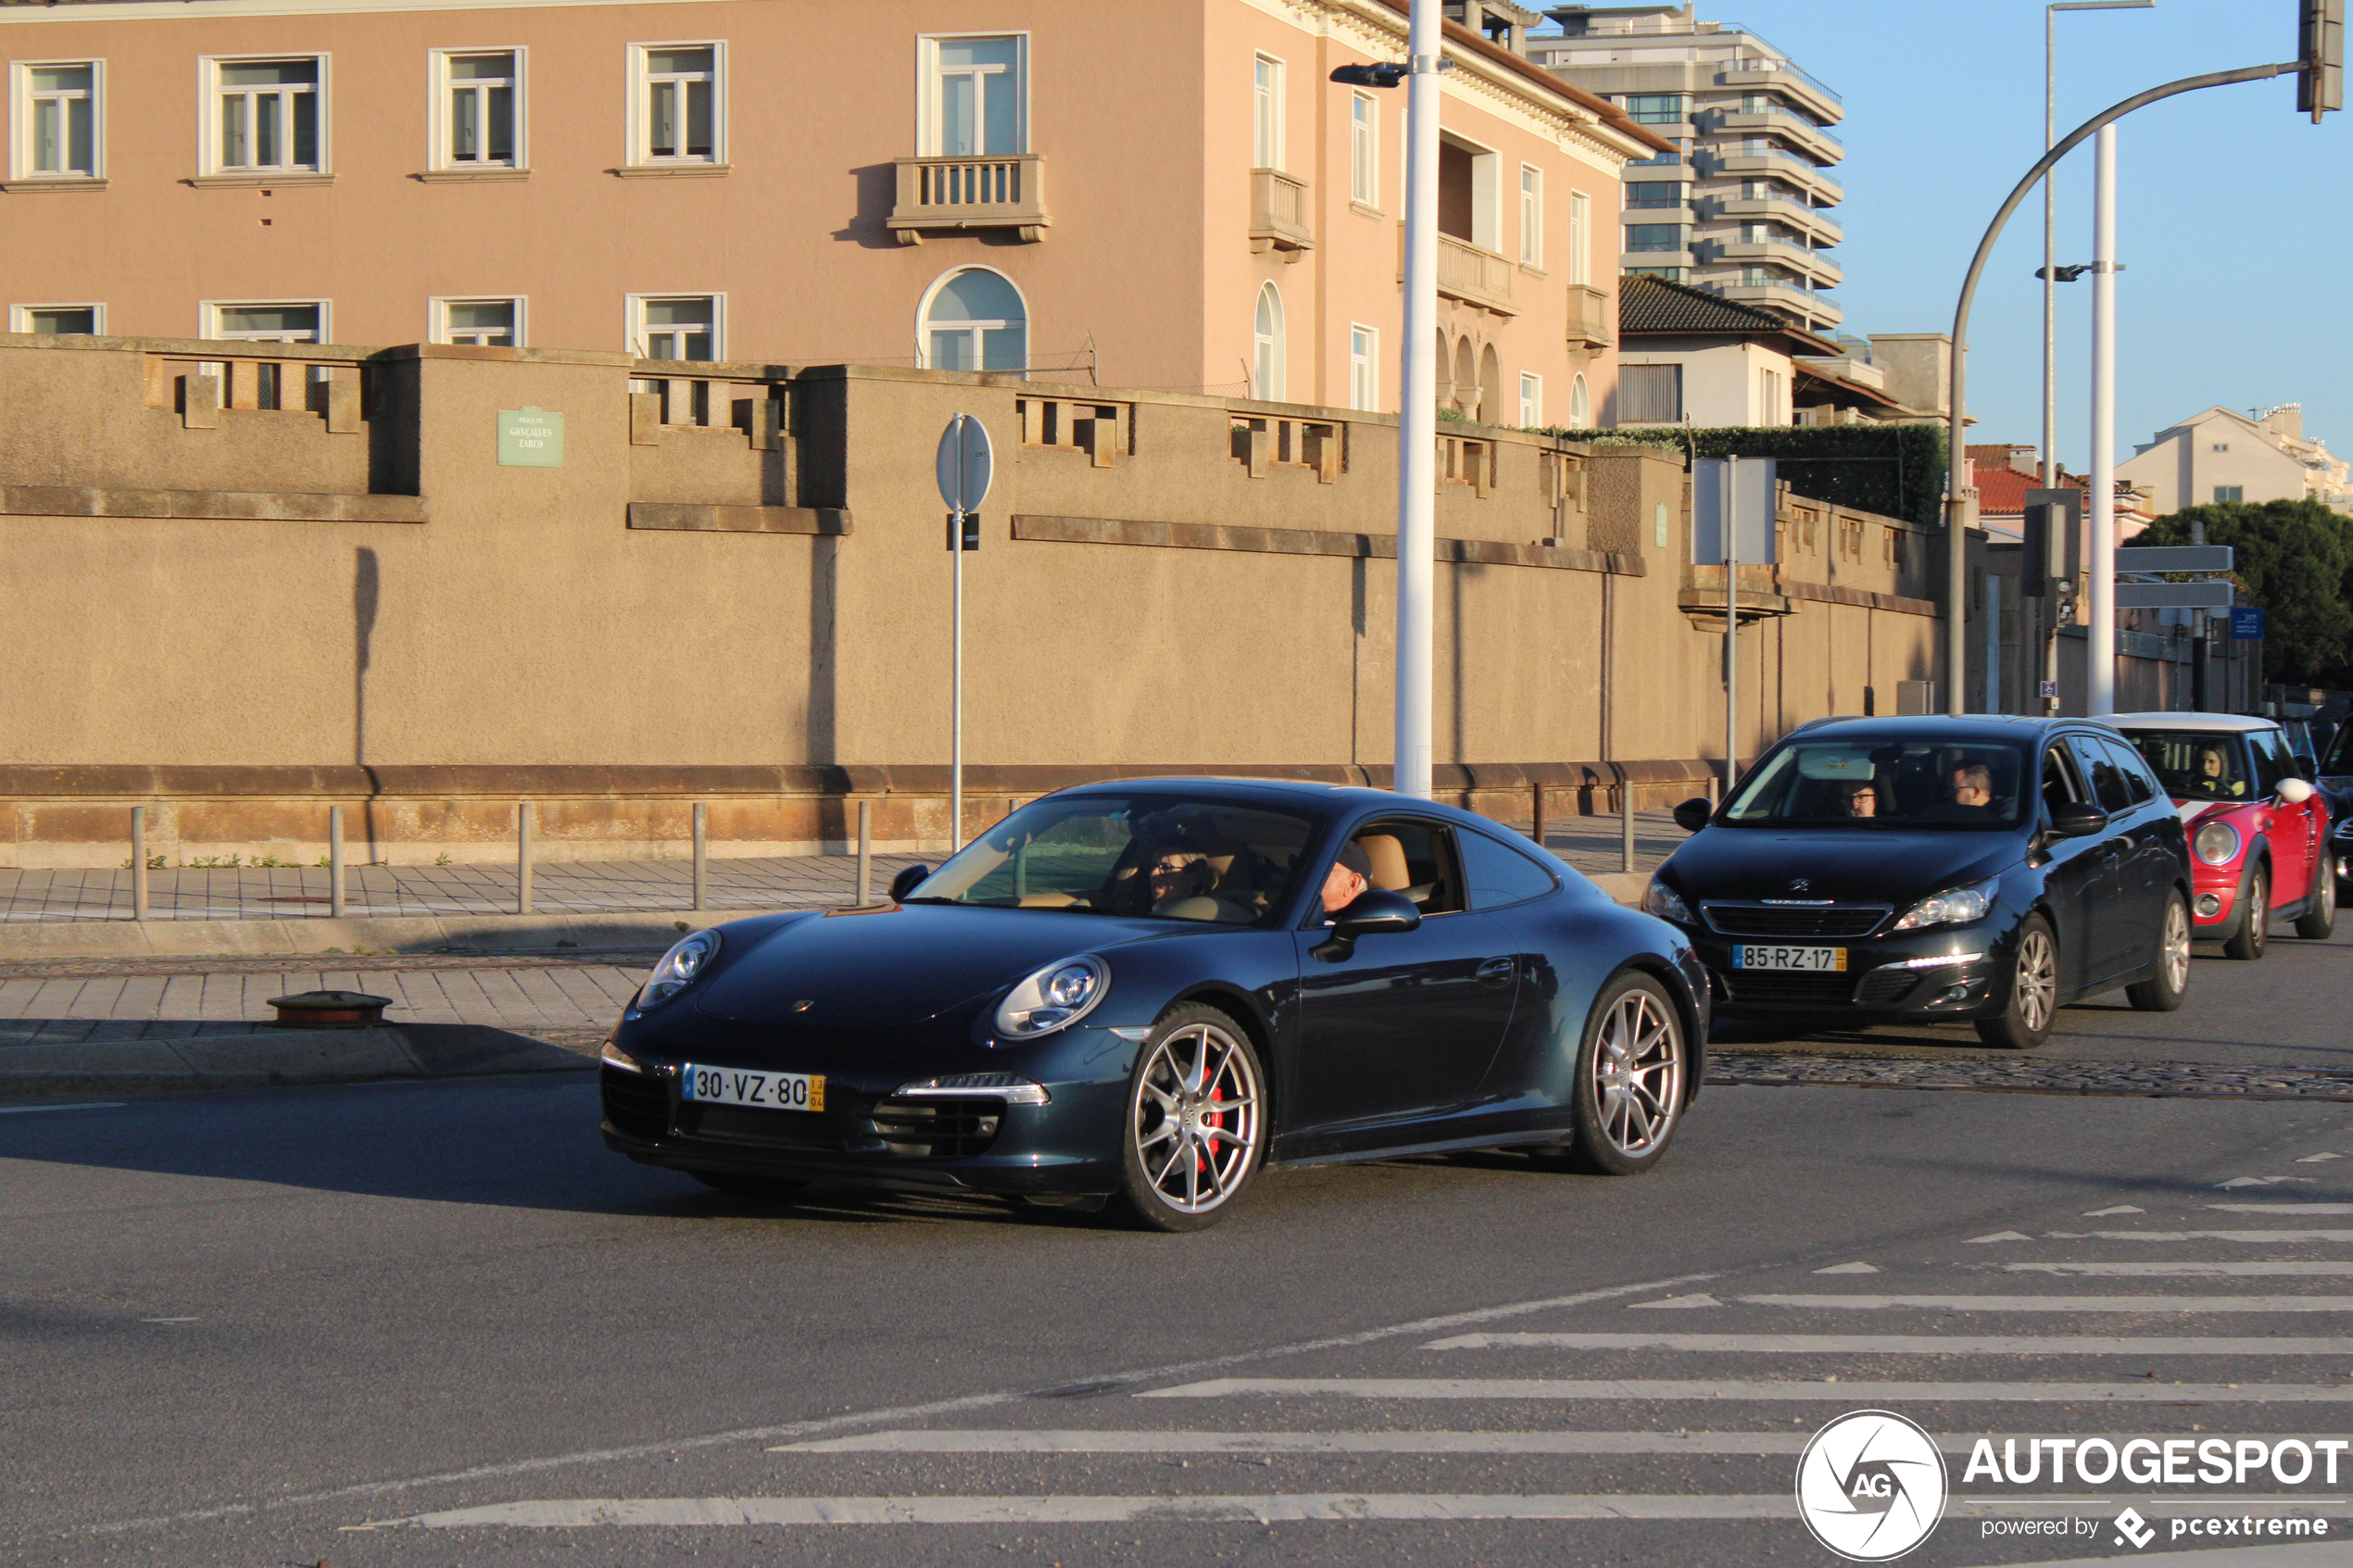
2246, 623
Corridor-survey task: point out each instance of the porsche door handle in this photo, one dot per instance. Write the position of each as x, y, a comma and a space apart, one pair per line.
1497, 971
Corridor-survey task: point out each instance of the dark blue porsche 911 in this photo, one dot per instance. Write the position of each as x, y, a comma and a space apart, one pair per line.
1145, 991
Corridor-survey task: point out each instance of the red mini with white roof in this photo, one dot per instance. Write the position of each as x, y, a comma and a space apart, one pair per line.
2259, 830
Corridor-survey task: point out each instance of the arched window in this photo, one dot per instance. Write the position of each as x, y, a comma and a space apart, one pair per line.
1466, 397
1491, 387
1266, 366
975, 320
1581, 405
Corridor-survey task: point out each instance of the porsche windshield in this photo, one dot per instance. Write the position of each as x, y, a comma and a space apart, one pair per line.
1877, 784
1160, 855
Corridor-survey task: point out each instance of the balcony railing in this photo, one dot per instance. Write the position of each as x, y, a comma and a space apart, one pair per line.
1593, 317
1474, 276
1002, 192
1279, 213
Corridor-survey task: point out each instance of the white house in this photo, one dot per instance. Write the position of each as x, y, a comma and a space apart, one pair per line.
2220, 456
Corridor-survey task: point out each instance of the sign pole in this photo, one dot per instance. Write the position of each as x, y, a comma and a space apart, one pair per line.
956, 705
964, 464
1732, 621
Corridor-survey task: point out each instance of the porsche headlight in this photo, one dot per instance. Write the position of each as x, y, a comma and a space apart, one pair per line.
2217, 844
1956, 905
1665, 903
678, 968
1059, 995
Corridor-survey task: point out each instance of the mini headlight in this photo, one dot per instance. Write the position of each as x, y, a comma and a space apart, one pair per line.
678, 968
1057, 996
1665, 903
1956, 906
2217, 844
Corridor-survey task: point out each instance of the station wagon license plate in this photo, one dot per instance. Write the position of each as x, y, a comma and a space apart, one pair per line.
1759, 954
767, 1091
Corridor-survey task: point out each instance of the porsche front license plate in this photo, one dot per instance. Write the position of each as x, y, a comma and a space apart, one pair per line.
769, 1091
1758, 955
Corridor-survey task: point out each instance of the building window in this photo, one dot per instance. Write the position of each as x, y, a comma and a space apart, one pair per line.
669, 326
1665, 274
1531, 401
1531, 216
1579, 237
269, 115
976, 96
1658, 236
1266, 112
57, 119
1759, 278
1650, 393
1681, 152
1659, 193
1364, 368
1266, 364
478, 107
2230, 492
1363, 149
2222, 446
1580, 403
298, 321
975, 320
1658, 108
484, 323
1768, 399
59, 320
681, 104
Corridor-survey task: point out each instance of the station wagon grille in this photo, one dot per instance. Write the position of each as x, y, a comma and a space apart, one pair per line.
635, 1103
1790, 988
950, 1129
1795, 920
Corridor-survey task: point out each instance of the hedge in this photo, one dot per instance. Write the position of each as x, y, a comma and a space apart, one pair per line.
1895, 471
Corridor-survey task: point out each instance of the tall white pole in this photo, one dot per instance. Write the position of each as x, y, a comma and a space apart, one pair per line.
2050, 276
1731, 622
2099, 647
1418, 412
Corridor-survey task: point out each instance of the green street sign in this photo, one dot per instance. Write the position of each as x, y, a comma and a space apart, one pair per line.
530, 439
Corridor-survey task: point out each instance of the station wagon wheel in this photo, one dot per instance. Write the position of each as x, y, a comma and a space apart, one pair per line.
1629, 1086
2025, 1022
2163, 991
1196, 1121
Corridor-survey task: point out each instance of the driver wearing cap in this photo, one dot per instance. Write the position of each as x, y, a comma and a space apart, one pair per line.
1352, 873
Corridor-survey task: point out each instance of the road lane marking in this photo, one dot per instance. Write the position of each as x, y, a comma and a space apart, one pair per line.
83, 1105
2275, 1209
2118, 1208
1849, 1269
1854, 1393
2249, 1269
2064, 1303
1901, 1343
877, 1415
2261, 1181
935, 1441
1999, 1236
2260, 1238
1677, 1301
2316, 1159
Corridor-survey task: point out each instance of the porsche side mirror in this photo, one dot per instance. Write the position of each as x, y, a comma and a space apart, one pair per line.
2076, 819
1376, 913
1692, 814
2294, 792
906, 882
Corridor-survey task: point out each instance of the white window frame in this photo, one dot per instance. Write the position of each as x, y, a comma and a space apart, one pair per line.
639, 151
1531, 400
440, 122
1580, 402
634, 321
1580, 237
923, 323
209, 115
930, 120
437, 310
21, 315
1363, 149
208, 311
1268, 107
1270, 356
1531, 216
21, 122
1768, 396
1364, 366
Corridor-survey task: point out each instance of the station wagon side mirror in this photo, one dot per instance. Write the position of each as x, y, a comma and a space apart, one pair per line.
1691, 815
1374, 913
2076, 819
906, 882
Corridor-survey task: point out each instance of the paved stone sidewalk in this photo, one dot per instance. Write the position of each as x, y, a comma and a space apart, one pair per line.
2007, 1073
1591, 843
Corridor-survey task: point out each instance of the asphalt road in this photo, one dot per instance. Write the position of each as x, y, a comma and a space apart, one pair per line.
238, 1328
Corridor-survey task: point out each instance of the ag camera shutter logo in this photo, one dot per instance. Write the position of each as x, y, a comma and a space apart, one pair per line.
1870, 1486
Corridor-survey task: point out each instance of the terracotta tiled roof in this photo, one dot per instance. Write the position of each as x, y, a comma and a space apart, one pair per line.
2001, 492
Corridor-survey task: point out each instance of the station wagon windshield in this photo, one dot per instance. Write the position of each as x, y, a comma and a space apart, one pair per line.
1156, 856
1876, 785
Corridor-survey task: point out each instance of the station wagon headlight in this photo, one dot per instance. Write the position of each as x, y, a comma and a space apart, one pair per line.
2217, 844
688, 959
1956, 905
1665, 903
1058, 996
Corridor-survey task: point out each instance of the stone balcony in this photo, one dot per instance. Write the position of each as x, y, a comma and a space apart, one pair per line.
1278, 211
1593, 317
1003, 191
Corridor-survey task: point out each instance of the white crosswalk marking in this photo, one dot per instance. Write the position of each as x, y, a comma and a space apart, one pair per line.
2263, 1208
2247, 1269
1901, 1343
1096, 1442
2256, 1238
2064, 1303
1830, 1390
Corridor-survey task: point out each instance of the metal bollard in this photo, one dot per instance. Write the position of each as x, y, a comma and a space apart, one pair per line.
865, 852
702, 859
1535, 828
138, 862
1625, 825
523, 856
334, 862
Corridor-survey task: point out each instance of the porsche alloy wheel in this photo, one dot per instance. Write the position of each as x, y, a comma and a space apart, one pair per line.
1630, 1079
1196, 1119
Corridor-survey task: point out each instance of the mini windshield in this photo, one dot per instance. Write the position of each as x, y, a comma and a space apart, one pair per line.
1880, 784
1159, 856
2197, 767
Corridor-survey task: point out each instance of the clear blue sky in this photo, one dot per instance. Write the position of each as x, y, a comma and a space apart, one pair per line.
2234, 213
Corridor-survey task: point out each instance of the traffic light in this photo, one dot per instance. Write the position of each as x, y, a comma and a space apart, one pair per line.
2320, 85
2053, 534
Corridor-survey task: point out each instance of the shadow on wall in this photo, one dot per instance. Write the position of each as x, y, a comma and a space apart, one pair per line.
877, 193
366, 593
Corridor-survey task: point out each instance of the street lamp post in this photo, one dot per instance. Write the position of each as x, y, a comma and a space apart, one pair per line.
1417, 415
2099, 613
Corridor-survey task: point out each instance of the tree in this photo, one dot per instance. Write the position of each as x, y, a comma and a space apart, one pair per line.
2295, 559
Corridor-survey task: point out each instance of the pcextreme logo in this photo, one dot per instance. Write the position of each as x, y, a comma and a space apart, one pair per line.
1870, 1486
